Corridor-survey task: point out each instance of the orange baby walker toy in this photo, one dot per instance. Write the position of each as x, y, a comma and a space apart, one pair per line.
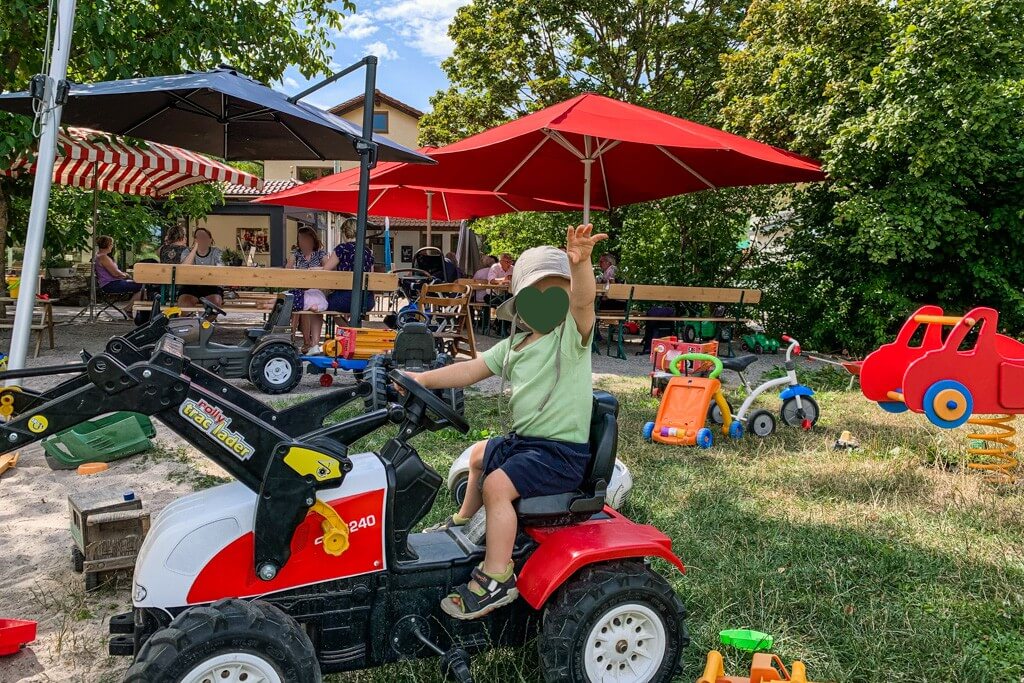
765, 668
973, 371
684, 406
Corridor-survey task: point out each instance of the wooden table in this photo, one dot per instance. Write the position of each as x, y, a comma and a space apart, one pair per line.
45, 323
483, 306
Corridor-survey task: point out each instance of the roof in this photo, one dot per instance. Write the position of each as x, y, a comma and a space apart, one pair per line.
269, 187
378, 97
412, 223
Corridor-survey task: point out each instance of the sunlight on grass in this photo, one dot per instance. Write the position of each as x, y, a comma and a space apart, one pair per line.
890, 563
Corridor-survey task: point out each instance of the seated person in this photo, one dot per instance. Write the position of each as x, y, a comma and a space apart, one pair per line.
109, 278
483, 275
174, 249
308, 255
343, 258
203, 253
609, 271
548, 451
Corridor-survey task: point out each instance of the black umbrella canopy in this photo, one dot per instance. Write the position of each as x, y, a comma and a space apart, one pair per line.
218, 112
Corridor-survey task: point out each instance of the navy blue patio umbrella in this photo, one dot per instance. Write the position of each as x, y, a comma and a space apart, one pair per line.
219, 112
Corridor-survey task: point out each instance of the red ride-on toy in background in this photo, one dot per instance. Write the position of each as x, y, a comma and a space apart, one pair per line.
307, 564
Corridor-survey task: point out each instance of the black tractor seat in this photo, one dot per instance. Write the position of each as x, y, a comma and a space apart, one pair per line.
739, 363
255, 333
582, 504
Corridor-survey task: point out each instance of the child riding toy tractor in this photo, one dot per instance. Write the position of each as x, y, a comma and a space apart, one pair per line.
308, 564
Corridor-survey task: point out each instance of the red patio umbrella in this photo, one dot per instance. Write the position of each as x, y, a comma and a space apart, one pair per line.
605, 153
340, 193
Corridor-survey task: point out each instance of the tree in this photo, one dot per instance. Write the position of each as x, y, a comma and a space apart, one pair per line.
515, 57
124, 39
915, 108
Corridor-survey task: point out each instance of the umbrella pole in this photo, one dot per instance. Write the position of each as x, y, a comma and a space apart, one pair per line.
587, 165
50, 126
367, 159
92, 262
430, 214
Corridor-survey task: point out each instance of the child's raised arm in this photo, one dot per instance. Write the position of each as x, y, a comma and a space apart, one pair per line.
579, 245
454, 376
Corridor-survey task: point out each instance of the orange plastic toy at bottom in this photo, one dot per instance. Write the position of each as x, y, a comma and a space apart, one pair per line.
765, 668
93, 467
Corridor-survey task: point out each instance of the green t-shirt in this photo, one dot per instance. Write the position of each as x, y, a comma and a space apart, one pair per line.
532, 373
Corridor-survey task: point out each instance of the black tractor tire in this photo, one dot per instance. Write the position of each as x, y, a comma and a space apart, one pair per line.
575, 610
230, 626
77, 560
92, 581
689, 334
376, 374
272, 353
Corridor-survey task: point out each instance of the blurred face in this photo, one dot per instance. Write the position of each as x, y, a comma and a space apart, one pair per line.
203, 240
306, 243
506, 262
604, 262
549, 282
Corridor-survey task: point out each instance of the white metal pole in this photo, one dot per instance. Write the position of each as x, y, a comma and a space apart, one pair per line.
587, 164
49, 126
430, 214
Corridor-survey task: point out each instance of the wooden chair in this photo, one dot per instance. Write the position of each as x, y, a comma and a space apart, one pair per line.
448, 306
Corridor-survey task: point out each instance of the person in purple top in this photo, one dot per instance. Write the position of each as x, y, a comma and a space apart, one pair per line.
109, 278
343, 258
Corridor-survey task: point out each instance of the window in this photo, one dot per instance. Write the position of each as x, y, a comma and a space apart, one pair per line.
308, 173
380, 122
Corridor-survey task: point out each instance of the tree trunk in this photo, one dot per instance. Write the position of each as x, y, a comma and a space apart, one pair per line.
4, 209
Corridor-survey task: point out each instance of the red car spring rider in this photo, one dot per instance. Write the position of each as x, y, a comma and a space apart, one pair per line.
954, 377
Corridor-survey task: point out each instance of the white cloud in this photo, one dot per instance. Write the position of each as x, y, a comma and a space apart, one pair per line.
381, 50
423, 24
290, 83
357, 27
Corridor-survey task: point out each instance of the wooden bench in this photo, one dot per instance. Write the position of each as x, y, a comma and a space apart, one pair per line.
737, 298
249, 278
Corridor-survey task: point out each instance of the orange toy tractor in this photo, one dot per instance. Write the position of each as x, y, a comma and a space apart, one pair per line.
766, 668
684, 406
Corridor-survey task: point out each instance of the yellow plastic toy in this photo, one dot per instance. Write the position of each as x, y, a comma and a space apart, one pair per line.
765, 668
684, 406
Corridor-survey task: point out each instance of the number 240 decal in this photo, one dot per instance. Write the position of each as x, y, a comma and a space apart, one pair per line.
362, 523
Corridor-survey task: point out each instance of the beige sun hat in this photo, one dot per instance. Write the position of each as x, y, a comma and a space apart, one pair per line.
532, 266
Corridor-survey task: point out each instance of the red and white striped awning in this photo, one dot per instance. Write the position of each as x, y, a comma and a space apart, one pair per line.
87, 158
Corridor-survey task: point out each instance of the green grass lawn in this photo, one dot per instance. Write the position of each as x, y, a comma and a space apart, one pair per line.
890, 563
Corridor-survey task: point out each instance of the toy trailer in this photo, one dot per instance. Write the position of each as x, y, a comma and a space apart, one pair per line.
765, 668
108, 526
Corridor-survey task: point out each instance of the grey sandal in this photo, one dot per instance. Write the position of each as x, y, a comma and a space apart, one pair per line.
443, 525
472, 606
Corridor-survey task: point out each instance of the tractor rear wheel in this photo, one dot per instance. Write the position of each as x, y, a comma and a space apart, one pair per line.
231, 641
275, 368
617, 621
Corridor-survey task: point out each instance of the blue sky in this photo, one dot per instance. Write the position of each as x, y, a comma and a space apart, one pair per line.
409, 37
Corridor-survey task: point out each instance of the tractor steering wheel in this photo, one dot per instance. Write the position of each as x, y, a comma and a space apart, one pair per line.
210, 306
418, 392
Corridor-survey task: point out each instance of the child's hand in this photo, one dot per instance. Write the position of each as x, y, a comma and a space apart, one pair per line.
579, 243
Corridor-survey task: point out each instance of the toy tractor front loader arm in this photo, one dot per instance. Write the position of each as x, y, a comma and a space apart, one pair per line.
285, 472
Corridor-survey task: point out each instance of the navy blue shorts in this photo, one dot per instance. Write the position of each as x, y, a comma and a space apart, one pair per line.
121, 287
537, 467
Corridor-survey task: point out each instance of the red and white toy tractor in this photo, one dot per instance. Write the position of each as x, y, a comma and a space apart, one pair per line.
308, 564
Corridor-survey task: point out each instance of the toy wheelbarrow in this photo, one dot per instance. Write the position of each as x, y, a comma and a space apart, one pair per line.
765, 668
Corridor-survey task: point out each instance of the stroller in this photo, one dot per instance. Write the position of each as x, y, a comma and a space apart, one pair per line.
429, 266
